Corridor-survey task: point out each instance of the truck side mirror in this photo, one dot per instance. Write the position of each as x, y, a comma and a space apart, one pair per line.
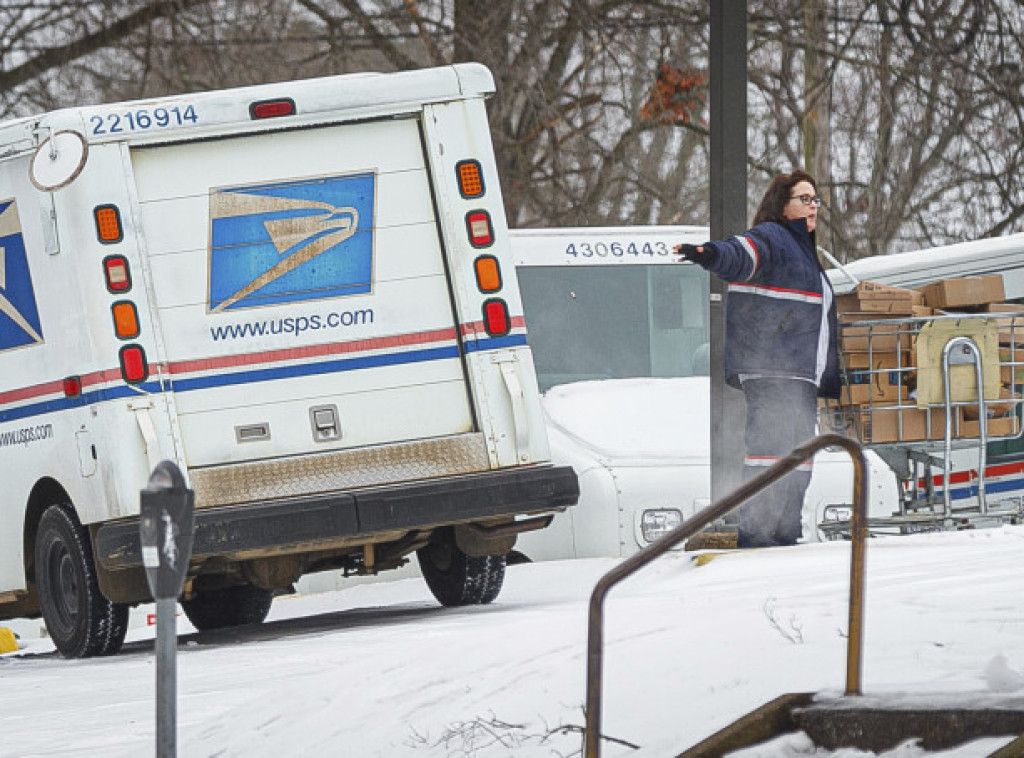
166, 530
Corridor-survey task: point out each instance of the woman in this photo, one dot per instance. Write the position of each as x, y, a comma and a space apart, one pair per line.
780, 344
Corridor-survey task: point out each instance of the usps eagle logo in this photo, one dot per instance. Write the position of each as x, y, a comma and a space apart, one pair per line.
19, 316
304, 239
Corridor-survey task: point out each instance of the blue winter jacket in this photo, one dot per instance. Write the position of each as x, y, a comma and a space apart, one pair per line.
774, 304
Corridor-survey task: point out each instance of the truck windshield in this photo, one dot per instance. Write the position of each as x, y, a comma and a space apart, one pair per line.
615, 321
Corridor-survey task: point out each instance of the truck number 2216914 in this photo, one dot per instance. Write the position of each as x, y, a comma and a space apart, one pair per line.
143, 119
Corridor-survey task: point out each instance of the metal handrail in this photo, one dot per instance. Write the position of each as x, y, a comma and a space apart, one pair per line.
858, 529
947, 352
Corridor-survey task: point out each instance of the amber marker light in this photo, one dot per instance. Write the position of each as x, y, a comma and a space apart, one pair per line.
471, 179
126, 320
488, 275
108, 224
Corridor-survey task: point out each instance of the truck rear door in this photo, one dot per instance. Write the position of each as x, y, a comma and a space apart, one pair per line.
300, 285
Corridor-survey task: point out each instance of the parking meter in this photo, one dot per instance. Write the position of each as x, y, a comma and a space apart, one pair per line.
165, 530
166, 509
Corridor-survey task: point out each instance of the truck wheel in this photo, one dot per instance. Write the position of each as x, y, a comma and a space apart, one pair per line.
456, 578
79, 619
230, 606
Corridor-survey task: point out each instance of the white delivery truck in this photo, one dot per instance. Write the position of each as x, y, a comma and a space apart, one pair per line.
619, 332
299, 293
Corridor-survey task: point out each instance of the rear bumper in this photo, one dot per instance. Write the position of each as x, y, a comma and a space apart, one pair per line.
322, 521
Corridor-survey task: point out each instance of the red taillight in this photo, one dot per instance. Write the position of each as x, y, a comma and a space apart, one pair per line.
478, 224
471, 179
488, 275
496, 320
117, 274
133, 364
272, 108
72, 386
126, 320
108, 224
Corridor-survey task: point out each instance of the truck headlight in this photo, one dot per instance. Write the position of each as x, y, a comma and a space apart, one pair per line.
837, 513
658, 522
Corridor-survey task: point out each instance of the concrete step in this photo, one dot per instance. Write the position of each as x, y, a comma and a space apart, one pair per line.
877, 722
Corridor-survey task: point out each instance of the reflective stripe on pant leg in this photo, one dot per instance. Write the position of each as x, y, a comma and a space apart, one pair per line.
780, 417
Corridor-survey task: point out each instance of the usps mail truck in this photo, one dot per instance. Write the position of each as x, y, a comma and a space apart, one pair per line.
302, 295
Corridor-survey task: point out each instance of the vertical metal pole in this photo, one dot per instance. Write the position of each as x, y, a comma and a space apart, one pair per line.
728, 127
858, 551
595, 661
166, 678
166, 533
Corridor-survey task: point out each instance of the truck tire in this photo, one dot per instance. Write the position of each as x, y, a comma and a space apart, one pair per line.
456, 578
229, 606
81, 622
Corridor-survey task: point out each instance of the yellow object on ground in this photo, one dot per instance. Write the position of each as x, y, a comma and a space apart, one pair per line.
712, 540
705, 558
8, 642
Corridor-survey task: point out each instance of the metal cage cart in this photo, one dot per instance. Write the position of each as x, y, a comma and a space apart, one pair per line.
925, 391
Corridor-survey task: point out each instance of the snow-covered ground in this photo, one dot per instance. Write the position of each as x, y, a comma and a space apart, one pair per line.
386, 672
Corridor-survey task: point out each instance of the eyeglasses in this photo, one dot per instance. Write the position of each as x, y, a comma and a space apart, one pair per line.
807, 200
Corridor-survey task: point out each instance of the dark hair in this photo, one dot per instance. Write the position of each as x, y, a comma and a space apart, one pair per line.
777, 195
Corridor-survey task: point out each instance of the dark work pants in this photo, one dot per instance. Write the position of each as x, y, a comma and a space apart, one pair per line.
780, 417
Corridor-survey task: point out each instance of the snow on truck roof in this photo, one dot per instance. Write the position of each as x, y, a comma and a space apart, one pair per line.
208, 113
997, 255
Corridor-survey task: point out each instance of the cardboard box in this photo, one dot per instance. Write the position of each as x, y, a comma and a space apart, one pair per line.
1011, 330
852, 304
964, 291
882, 424
1005, 426
869, 289
905, 424
858, 334
877, 377
873, 297
1011, 365
1008, 400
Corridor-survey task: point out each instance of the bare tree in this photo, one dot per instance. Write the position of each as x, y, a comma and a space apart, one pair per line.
571, 79
908, 111
920, 146
42, 42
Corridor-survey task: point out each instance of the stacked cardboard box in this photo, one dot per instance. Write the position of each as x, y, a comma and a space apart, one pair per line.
876, 340
983, 295
879, 329
964, 291
880, 378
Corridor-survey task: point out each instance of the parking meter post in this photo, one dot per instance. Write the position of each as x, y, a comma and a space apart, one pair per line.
166, 678
165, 530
